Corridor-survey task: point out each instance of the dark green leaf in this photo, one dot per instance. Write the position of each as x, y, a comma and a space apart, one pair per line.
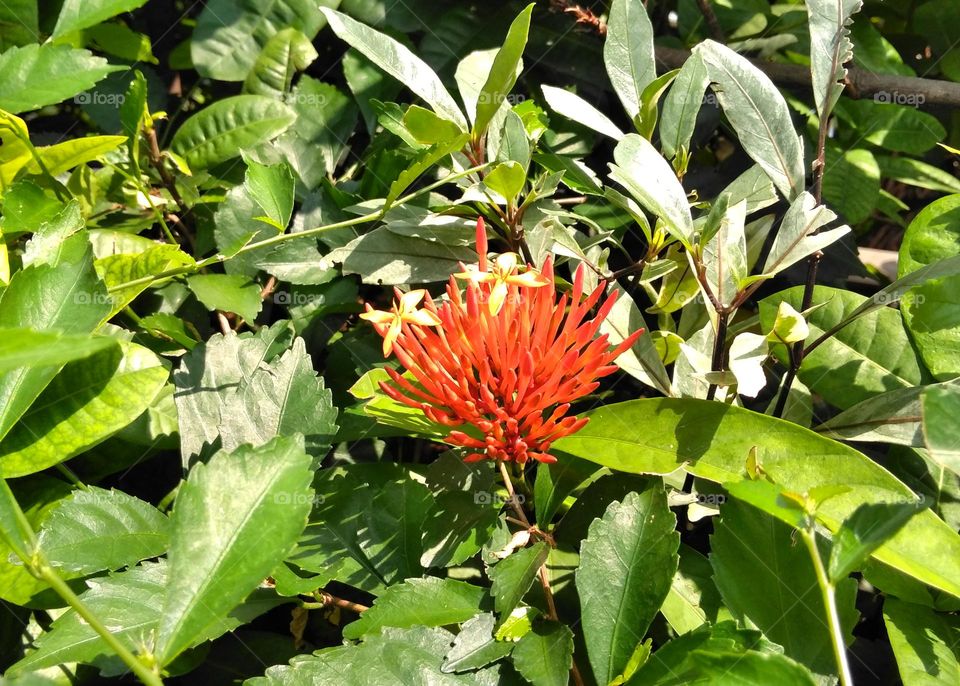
227, 292
287, 52
512, 577
38, 75
544, 656
80, 14
394, 529
618, 601
870, 526
475, 646
503, 72
272, 188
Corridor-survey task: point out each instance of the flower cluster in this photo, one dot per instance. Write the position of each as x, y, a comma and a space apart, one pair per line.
506, 357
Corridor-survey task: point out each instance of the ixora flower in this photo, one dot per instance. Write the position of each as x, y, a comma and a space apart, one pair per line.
506, 357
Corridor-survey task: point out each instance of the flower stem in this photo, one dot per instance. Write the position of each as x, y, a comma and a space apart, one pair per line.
827, 593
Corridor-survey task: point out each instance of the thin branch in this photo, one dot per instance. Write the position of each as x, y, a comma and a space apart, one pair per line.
156, 159
716, 32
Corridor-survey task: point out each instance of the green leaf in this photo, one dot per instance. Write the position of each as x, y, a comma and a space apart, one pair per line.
759, 115
80, 14
618, 601
511, 577
399, 62
900, 128
892, 417
384, 257
418, 602
503, 72
424, 161
507, 179
27, 348
748, 668
234, 519
575, 108
39, 75
544, 655
798, 236
15, 530
237, 390
97, 529
555, 482
929, 310
939, 407
227, 292
86, 403
870, 356
272, 188
326, 118
725, 255
130, 603
628, 53
474, 646
219, 132
782, 598
830, 48
693, 599
394, 528
870, 526
918, 173
682, 105
429, 128
924, 643
712, 441
457, 526
650, 179
125, 268
20, 22
231, 34
69, 154
851, 183
287, 52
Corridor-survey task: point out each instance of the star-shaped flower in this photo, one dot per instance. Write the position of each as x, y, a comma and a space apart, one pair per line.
405, 309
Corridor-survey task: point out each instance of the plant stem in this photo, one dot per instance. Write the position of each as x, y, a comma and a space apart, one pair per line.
830, 605
543, 574
148, 677
218, 258
719, 348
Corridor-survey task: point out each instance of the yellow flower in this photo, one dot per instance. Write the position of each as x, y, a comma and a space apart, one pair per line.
502, 275
404, 310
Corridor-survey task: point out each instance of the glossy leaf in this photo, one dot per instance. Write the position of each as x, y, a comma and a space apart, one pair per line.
394, 527
217, 133
503, 72
628, 52
28, 348
575, 108
869, 527
271, 186
80, 14
759, 115
655, 436
543, 656
287, 52
418, 602
227, 292
119, 269
475, 645
234, 519
939, 406
399, 62
39, 75
512, 577
617, 602
682, 105
86, 403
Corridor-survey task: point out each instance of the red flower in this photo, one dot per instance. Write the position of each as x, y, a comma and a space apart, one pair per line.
509, 368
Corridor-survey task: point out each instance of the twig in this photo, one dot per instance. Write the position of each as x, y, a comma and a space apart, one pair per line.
156, 159
328, 599
716, 32
719, 348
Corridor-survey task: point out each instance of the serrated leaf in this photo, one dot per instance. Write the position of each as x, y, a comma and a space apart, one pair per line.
544, 655
219, 132
399, 62
234, 520
80, 14
628, 53
418, 602
394, 527
617, 603
512, 577
759, 115
475, 646
39, 75
97, 530
86, 403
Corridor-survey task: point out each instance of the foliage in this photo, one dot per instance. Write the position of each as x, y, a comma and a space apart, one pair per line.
246, 435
